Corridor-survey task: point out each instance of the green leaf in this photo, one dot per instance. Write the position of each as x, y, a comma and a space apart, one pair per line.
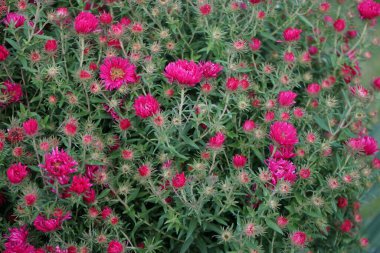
186, 245
273, 226
306, 21
13, 43
104, 193
321, 123
192, 226
259, 154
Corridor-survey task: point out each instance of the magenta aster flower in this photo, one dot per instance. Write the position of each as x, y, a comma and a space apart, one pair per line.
210, 69
12, 92
146, 106
283, 133
117, 71
286, 98
59, 165
179, 180
80, 184
216, 142
85, 23
183, 72
17, 172
366, 144
369, 9
14, 18
292, 34
282, 169
298, 238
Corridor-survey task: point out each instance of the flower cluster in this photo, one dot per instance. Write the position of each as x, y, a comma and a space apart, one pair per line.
186, 126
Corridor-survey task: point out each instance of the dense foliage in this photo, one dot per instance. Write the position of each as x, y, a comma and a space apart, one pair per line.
185, 126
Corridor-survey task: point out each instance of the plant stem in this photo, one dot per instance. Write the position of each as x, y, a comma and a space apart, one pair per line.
181, 103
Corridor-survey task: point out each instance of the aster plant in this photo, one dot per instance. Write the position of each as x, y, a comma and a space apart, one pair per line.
185, 126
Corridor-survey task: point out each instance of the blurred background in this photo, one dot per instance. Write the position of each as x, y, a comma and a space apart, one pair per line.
371, 200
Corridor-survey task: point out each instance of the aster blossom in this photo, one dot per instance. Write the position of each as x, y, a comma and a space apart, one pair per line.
4, 53
59, 165
292, 34
179, 180
216, 142
116, 71
46, 225
286, 98
369, 9
85, 23
16, 173
281, 169
210, 69
12, 92
14, 18
366, 144
183, 72
146, 106
283, 133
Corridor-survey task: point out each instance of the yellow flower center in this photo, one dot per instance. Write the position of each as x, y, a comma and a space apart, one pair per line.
116, 73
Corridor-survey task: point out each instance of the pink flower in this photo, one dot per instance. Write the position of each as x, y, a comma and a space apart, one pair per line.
30, 127
144, 171
179, 180
286, 98
304, 173
369, 9
283, 133
16, 173
282, 221
51, 46
16, 241
249, 125
284, 152
363, 242
232, 84
45, 225
313, 89
210, 69
376, 83
205, 9
239, 161
292, 34
59, 165
146, 106
289, 57
30, 199
14, 18
124, 124
216, 142
13, 93
298, 238
366, 144
4, 53
281, 169
342, 202
80, 184
116, 71
115, 247
85, 23
359, 91
183, 72
255, 44
339, 25
346, 226
376, 163
105, 18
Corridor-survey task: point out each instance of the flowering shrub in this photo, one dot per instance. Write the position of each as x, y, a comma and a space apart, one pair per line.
185, 126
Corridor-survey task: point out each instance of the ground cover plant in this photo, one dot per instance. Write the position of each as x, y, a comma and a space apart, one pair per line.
185, 126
